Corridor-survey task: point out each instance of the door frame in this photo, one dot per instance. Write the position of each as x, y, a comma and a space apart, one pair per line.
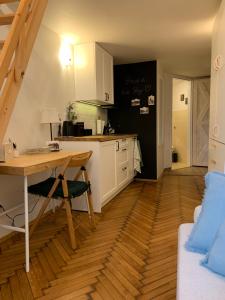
190, 118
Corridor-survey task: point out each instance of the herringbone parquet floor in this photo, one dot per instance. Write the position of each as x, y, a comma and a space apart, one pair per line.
130, 255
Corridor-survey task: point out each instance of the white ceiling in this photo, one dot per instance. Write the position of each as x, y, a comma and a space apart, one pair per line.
177, 32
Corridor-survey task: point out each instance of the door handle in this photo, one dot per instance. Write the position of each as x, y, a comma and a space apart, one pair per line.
117, 146
106, 96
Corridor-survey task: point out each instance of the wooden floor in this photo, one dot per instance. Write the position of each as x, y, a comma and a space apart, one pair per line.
131, 255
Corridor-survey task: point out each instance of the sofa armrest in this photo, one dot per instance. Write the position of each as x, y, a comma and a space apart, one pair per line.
197, 213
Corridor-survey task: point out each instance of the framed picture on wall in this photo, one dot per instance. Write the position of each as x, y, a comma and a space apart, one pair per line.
151, 100
135, 102
144, 110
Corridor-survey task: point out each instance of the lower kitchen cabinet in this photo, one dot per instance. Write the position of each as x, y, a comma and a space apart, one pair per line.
108, 172
111, 169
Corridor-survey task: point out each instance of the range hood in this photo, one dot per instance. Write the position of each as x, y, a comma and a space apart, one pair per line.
97, 103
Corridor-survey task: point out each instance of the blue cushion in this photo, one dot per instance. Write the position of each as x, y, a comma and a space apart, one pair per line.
215, 260
211, 216
210, 176
75, 188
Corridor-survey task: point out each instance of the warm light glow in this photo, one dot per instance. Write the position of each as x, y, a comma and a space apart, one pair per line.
66, 53
80, 60
70, 39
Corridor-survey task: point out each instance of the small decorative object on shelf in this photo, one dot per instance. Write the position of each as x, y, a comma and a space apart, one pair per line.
15, 151
53, 146
71, 114
50, 116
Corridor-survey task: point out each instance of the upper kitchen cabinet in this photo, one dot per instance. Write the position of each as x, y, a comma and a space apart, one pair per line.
93, 74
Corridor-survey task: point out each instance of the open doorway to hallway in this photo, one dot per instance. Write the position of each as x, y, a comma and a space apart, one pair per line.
181, 123
190, 122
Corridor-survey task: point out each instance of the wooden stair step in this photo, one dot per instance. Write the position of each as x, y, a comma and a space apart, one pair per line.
8, 1
1, 43
6, 19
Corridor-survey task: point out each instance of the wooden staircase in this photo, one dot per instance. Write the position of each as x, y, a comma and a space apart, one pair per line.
15, 52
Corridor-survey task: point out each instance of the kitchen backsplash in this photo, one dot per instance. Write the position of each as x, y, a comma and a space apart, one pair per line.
89, 115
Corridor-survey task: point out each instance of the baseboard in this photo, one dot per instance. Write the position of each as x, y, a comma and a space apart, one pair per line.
146, 180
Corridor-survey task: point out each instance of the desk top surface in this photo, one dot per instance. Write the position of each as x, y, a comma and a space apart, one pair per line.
29, 164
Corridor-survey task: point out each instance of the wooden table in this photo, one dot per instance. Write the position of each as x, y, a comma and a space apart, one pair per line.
26, 165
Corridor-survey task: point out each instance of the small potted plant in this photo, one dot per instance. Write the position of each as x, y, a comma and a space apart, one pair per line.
71, 114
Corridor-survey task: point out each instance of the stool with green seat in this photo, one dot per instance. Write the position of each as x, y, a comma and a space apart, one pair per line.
66, 190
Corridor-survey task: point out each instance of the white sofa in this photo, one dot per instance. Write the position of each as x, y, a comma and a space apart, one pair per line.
195, 282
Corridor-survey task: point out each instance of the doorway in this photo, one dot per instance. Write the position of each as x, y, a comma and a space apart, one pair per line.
181, 123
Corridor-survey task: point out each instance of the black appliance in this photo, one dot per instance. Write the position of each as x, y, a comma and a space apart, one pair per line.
87, 132
68, 129
137, 81
79, 129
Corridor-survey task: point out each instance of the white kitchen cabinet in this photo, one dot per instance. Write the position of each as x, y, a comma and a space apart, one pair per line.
122, 161
93, 74
108, 176
216, 156
217, 96
108, 78
110, 168
217, 103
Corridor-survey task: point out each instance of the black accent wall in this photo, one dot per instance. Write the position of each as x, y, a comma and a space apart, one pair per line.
139, 81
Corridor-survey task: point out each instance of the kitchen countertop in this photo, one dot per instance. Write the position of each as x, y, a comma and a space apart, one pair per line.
95, 138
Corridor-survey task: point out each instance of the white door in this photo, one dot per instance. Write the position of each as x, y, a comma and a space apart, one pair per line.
201, 100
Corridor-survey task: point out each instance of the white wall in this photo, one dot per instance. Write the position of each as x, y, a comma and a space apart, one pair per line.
180, 87
46, 84
181, 120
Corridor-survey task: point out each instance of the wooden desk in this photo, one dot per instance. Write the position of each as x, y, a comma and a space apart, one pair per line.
26, 165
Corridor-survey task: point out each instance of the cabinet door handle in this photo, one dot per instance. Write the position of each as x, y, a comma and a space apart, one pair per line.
117, 146
124, 149
106, 97
124, 169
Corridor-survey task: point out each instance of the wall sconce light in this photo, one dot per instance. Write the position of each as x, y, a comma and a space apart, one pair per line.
66, 54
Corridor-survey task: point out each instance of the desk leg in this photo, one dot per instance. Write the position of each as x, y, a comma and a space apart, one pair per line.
26, 224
